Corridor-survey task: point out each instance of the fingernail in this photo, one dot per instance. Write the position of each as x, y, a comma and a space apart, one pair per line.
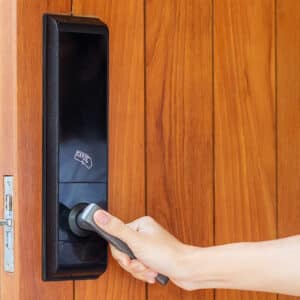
101, 217
151, 281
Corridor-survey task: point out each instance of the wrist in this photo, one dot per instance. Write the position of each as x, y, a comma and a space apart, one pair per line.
226, 266
204, 267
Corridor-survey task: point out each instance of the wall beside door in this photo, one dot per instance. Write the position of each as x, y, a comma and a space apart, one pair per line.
204, 129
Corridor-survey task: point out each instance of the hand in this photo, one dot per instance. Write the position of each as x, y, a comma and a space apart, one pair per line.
157, 251
272, 266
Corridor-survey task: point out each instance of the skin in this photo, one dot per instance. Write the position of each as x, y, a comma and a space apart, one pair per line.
271, 266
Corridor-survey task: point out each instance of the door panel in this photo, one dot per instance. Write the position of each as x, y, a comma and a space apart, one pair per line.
245, 165
202, 137
179, 125
288, 45
126, 133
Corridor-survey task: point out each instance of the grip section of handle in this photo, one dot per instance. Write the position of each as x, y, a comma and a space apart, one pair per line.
85, 221
123, 247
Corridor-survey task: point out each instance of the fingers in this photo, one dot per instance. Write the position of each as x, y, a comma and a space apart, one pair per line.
134, 267
114, 226
143, 224
140, 271
122, 258
134, 225
129, 234
147, 275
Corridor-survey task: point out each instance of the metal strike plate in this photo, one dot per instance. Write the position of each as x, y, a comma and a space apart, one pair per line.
9, 265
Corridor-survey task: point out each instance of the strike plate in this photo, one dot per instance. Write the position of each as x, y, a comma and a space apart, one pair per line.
9, 265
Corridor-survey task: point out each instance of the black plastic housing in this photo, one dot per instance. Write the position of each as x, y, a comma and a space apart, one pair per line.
75, 142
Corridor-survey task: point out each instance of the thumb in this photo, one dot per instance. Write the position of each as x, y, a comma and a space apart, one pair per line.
114, 226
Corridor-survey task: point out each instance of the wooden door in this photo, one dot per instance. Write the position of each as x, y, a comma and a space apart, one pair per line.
204, 129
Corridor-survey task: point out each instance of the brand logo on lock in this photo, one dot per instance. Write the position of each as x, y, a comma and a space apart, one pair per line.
84, 159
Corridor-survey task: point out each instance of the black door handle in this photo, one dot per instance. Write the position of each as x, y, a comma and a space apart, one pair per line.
85, 221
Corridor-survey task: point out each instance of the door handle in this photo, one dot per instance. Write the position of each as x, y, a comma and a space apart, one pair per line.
85, 221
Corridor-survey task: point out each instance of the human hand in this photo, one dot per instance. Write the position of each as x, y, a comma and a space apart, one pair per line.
156, 250
270, 266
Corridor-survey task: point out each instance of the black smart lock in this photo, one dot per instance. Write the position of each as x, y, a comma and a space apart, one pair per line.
75, 143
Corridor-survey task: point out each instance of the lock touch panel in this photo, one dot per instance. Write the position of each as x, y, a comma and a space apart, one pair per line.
82, 107
75, 147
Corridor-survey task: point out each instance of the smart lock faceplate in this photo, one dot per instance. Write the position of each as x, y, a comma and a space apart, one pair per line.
75, 142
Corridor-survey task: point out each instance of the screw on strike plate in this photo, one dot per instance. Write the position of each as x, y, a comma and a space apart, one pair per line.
7, 211
4, 222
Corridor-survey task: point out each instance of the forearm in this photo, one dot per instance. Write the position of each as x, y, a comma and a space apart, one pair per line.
272, 266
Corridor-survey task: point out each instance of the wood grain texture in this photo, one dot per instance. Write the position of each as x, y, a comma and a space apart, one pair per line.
288, 95
245, 152
179, 125
125, 20
8, 56
180, 133
28, 172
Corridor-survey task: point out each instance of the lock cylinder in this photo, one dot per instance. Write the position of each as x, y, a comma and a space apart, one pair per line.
73, 221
